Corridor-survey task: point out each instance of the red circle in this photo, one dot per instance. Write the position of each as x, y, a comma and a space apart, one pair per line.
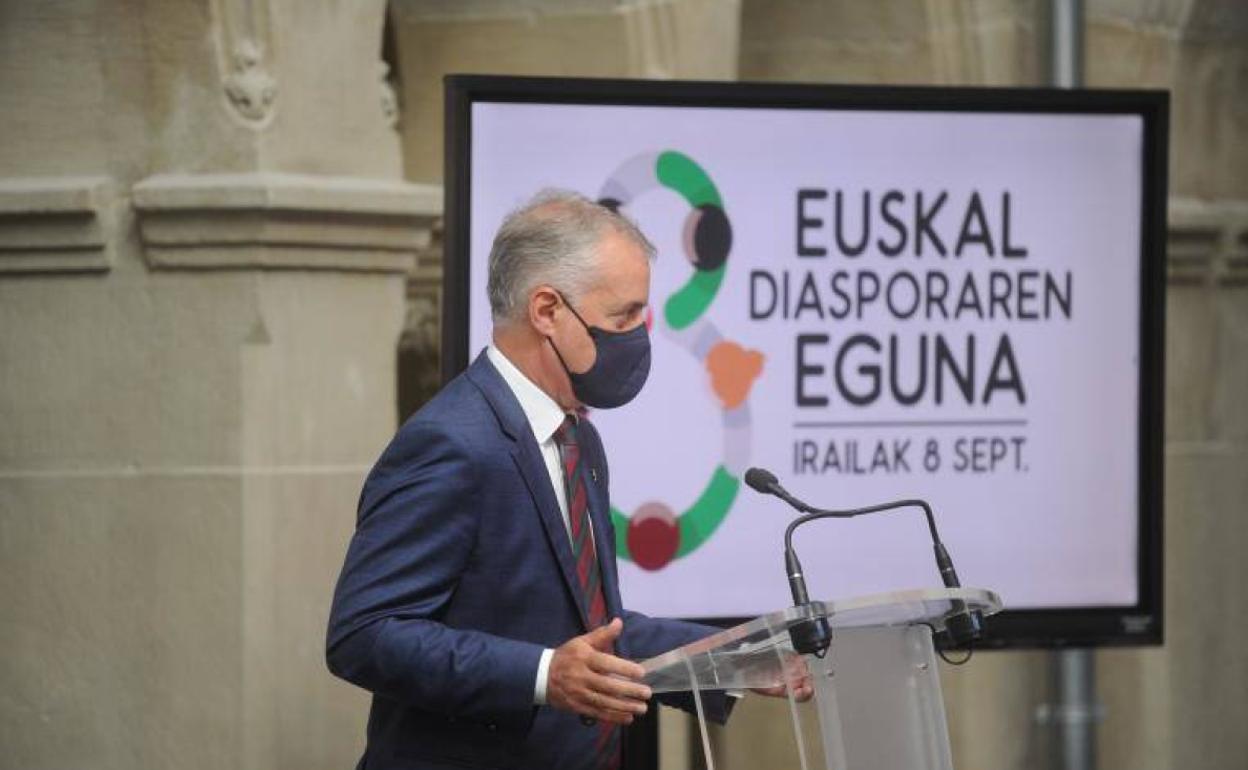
653, 540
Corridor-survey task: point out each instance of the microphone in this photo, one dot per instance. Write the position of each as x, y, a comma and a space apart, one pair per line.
765, 482
962, 626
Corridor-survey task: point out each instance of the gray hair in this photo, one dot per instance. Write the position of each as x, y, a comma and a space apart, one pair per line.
551, 240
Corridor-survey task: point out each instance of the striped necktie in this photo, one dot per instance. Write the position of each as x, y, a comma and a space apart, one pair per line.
588, 573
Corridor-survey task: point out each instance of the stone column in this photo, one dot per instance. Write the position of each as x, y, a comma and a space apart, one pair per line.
204, 238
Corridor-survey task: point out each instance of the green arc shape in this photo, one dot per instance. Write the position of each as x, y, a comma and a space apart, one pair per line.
691, 300
620, 523
698, 522
682, 174
679, 172
702, 518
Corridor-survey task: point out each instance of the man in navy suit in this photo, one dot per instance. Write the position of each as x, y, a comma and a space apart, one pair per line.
479, 601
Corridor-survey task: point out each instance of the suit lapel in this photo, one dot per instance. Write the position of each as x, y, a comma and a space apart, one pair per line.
532, 468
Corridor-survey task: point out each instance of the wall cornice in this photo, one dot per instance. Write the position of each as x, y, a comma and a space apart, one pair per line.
274, 221
1208, 241
54, 224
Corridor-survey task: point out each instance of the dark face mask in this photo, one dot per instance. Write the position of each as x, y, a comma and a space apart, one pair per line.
620, 367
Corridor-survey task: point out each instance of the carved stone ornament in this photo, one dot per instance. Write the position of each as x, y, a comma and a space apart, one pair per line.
250, 88
389, 97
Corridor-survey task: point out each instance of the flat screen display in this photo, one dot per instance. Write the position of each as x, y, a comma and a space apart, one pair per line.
873, 293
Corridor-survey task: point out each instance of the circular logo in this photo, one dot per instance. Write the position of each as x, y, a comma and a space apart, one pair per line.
655, 534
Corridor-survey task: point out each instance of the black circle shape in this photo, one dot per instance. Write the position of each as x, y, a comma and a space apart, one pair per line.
712, 238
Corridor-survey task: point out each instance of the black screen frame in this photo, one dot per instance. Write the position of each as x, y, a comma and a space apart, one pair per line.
1138, 625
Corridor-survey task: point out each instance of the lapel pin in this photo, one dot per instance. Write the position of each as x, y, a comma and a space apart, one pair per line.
593, 474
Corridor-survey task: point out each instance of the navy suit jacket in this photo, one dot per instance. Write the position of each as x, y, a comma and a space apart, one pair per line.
459, 575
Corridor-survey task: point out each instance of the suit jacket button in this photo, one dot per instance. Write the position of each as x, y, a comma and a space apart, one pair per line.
588, 721
491, 726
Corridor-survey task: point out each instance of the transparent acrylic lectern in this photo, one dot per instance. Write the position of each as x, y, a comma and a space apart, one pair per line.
877, 702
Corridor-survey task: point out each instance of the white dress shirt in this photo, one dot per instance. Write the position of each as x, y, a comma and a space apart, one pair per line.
545, 417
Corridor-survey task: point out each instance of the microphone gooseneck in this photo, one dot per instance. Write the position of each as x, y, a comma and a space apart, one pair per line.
962, 626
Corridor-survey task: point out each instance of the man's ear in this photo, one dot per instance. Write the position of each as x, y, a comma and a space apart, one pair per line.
544, 301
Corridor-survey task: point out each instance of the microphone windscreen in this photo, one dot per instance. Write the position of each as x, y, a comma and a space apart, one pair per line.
761, 480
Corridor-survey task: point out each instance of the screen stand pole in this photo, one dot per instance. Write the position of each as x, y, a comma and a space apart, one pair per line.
1075, 711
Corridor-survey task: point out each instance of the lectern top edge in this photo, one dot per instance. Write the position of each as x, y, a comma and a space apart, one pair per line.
894, 608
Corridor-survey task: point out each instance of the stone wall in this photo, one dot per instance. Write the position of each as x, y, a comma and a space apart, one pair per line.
940, 42
204, 237
689, 39
1183, 705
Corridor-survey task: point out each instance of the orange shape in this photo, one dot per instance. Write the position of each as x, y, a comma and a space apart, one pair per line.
733, 370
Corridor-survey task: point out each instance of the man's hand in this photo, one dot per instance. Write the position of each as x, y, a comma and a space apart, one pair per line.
797, 674
586, 678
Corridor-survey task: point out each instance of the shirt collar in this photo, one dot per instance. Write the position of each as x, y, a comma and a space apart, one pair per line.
543, 414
